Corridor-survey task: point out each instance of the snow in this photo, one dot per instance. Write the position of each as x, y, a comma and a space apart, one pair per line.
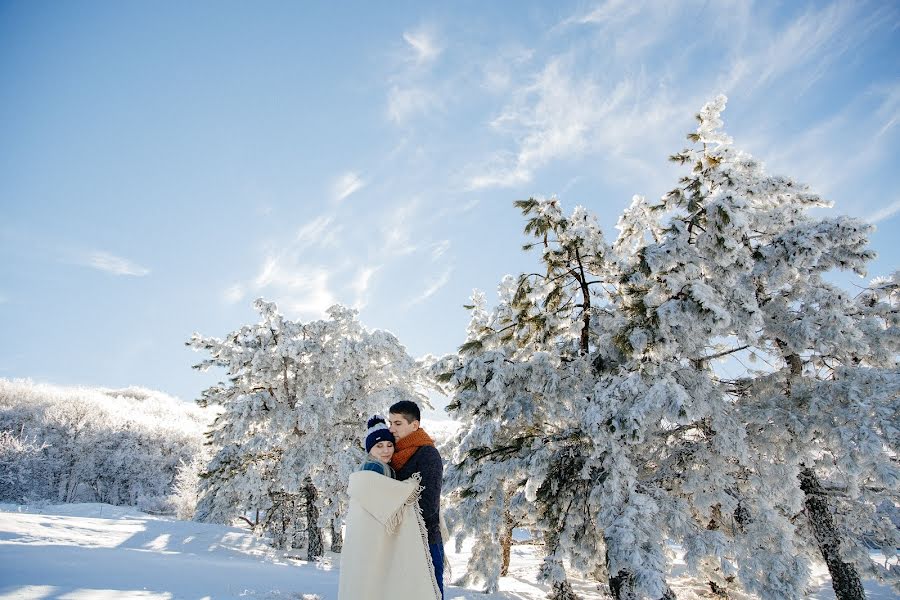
99, 552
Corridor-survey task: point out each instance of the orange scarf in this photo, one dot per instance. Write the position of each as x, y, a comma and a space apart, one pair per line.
404, 448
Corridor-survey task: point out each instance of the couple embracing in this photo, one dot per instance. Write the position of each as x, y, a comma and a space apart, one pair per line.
393, 547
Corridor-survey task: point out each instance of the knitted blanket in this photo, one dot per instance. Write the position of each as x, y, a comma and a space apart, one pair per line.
385, 554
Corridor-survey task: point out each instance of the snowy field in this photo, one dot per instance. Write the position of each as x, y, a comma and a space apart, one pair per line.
103, 552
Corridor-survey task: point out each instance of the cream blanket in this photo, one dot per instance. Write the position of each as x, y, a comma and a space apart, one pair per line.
385, 554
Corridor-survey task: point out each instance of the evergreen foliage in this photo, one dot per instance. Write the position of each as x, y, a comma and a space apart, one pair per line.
65, 444
293, 413
592, 409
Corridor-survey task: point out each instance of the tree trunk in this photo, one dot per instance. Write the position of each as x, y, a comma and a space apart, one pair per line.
337, 540
844, 576
506, 544
621, 586
314, 547
719, 584
620, 583
563, 591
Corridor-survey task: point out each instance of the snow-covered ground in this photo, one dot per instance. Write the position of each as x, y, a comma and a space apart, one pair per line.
103, 552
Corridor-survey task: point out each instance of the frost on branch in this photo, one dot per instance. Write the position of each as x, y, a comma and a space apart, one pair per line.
594, 411
293, 408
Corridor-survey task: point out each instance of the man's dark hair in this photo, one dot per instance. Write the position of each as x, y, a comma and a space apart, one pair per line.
407, 408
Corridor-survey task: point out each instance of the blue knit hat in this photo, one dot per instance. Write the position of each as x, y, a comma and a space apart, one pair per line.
377, 432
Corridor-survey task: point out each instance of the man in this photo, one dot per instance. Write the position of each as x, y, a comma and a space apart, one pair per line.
414, 452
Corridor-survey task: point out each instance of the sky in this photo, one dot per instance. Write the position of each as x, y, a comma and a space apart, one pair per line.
163, 164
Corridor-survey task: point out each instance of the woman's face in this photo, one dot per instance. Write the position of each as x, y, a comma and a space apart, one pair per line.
383, 451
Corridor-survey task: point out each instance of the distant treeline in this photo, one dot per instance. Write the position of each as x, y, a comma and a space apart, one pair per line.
75, 444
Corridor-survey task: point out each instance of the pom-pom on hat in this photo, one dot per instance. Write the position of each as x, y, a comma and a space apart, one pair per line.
377, 431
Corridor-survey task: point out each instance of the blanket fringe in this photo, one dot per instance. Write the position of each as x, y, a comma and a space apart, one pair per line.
423, 532
397, 517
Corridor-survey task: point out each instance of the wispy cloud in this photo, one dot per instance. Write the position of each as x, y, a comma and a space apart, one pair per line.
502, 170
432, 287
587, 101
295, 272
423, 44
412, 91
323, 264
405, 102
560, 115
438, 249
110, 263
321, 231
345, 185
885, 213
234, 294
611, 11
300, 288
499, 72
834, 150
805, 49
362, 282
396, 229
889, 110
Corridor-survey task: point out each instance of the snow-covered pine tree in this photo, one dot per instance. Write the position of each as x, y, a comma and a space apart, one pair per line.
294, 411
536, 443
822, 421
622, 429
75, 444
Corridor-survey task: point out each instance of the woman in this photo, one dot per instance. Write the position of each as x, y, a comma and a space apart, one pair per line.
385, 554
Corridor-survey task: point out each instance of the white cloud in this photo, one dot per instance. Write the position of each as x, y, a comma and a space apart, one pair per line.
560, 115
300, 288
405, 102
432, 287
498, 73
805, 49
234, 294
396, 230
610, 96
611, 11
889, 110
503, 176
104, 261
320, 266
885, 213
439, 249
321, 232
345, 185
423, 44
313, 296
835, 150
412, 92
631, 27
361, 283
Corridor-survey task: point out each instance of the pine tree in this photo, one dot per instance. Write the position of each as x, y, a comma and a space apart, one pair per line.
810, 425
294, 411
64, 444
524, 386
593, 412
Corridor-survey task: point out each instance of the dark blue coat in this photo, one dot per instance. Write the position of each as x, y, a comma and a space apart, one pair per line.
427, 462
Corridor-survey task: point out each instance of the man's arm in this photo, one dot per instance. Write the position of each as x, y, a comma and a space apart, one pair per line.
432, 470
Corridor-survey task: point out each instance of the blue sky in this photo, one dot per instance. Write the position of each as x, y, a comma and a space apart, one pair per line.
163, 164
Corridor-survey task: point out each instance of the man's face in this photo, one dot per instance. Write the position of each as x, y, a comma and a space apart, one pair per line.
400, 427
383, 451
